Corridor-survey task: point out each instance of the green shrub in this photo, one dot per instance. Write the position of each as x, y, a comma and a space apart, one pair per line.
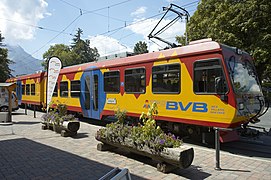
57, 116
120, 115
62, 109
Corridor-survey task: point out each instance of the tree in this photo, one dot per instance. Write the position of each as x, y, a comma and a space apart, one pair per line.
241, 23
141, 48
78, 52
63, 52
5, 71
82, 49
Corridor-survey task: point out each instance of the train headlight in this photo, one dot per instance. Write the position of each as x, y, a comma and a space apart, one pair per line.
241, 106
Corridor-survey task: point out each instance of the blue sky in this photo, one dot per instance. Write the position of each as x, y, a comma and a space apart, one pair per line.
37, 24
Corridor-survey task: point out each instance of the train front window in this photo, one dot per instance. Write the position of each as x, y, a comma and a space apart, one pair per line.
243, 76
209, 77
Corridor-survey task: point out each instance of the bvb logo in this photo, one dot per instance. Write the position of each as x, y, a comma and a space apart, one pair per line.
146, 105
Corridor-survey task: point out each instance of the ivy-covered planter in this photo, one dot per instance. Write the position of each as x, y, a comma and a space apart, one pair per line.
60, 122
57, 128
169, 158
146, 139
70, 128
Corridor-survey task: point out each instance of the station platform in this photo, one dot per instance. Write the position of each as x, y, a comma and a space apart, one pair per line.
32, 153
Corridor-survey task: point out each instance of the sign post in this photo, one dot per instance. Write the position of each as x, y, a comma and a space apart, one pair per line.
53, 69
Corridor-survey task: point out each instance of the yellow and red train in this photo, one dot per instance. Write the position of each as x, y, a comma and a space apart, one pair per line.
201, 85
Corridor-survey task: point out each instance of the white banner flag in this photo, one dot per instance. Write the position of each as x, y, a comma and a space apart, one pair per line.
53, 69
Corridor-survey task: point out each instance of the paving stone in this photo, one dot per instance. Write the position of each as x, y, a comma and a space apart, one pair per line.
32, 153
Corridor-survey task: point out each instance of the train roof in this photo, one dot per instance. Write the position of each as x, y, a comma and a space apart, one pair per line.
194, 47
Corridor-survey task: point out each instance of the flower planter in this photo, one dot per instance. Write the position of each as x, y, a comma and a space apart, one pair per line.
46, 125
68, 128
169, 158
61, 122
57, 128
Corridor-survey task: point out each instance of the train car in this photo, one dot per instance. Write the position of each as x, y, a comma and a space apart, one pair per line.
30, 89
202, 85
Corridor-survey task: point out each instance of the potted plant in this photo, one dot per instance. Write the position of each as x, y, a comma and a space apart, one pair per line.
146, 139
61, 122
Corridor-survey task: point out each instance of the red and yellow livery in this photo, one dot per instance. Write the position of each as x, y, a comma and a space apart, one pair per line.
203, 84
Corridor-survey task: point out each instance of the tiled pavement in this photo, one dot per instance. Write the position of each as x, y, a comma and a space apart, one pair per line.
32, 153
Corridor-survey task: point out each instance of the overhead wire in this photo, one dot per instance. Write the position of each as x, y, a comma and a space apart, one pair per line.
84, 11
70, 25
140, 21
93, 11
136, 22
35, 26
49, 40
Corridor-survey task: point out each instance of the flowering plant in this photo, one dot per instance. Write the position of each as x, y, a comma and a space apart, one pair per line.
58, 116
143, 135
51, 117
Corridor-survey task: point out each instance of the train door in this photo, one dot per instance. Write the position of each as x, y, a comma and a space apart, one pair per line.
92, 97
19, 92
85, 94
94, 102
97, 94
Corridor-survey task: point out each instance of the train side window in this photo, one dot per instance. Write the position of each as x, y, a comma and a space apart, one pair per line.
64, 89
166, 79
209, 77
135, 80
87, 93
96, 93
33, 89
23, 89
75, 88
27, 89
55, 91
112, 82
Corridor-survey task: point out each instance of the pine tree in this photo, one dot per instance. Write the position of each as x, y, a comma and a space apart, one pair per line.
82, 49
5, 71
140, 47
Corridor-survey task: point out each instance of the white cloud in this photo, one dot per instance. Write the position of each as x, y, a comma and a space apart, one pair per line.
144, 27
139, 12
170, 1
15, 14
107, 45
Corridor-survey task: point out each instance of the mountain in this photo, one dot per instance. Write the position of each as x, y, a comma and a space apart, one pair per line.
24, 63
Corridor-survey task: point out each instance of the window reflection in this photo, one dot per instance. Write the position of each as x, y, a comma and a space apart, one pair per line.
244, 77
